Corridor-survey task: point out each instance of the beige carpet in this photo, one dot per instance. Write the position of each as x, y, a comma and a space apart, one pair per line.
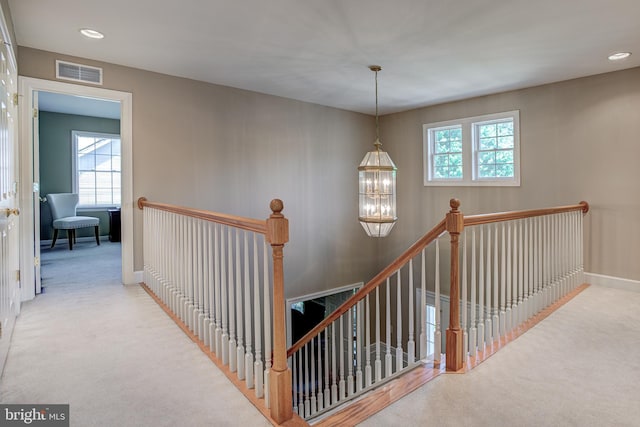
112, 353
579, 367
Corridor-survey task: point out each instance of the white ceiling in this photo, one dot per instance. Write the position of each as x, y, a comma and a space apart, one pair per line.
78, 105
431, 51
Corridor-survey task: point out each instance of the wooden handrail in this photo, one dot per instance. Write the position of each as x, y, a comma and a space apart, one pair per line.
372, 284
250, 224
470, 220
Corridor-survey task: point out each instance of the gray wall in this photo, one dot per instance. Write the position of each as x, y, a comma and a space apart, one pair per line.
229, 150
56, 162
579, 141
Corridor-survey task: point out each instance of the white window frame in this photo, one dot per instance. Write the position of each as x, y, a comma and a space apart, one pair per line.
470, 143
74, 164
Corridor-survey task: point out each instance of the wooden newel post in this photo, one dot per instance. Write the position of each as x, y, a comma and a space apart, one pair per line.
455, 336
280, 374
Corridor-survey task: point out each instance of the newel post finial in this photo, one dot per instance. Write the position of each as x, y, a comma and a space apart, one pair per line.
455, 336
280, 374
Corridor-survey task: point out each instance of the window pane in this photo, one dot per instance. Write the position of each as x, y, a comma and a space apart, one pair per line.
455, 172
505, 142
456, 134
504, 171
441, 160
455, 159
115, 146
442, 135
86, 162
456, 146
98, 169
115, 163
103, 163
487, 143
442, 147
485, 158
504, 156
442, 172
505, 128
487, 171
487, 130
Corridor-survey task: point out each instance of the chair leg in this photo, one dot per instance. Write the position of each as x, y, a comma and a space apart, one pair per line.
71, 236
55, 237
98, 234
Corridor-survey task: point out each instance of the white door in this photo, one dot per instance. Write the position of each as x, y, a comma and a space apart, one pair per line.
36, 193
9, 219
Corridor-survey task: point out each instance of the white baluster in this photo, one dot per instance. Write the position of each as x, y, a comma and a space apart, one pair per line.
239, 314
503, 283
218, 291
495, 321
473, 332
358, 307
301, 385
327, 384
350, 385
378, 362
525, 274
387, 358
306, 385
437, 336
266, 321
257, 365
248, 357
295, 386
481, 332
463, 323
411, 345
334, 369
488, 284
399, 324
320, 396
233, 366
423, 307
312, 385
342, 383
514, 279
367, 335
224, 300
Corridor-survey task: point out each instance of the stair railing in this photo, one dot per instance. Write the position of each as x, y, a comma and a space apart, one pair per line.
211, 270
527, 261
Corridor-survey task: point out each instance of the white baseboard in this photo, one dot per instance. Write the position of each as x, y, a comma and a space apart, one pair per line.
612, 282
139, 275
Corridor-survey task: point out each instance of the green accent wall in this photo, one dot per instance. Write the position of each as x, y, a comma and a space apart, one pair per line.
56, 163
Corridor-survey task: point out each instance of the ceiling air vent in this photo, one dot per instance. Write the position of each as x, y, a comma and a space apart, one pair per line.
78, 73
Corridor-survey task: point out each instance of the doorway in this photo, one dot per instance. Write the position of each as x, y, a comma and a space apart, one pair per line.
79, 151
30, 185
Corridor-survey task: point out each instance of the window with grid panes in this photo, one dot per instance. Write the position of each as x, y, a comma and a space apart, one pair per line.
474, 151
97, 171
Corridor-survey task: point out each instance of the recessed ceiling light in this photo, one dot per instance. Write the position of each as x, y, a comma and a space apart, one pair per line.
92, 34
619, 55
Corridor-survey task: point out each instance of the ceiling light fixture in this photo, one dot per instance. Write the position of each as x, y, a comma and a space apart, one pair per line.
92, 34
377, 182
619, 55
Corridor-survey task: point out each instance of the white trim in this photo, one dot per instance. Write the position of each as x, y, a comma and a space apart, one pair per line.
469, 152
29, 85
138, 277
612, 282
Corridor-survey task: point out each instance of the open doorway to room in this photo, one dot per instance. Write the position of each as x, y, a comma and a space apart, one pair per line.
79, 152
32, 198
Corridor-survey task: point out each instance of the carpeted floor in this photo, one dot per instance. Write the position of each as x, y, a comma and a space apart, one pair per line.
111, 353
579, 367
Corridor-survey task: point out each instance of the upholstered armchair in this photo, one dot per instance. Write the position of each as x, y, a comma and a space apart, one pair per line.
63, 210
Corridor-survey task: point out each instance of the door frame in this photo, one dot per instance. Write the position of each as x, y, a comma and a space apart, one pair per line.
27, 86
